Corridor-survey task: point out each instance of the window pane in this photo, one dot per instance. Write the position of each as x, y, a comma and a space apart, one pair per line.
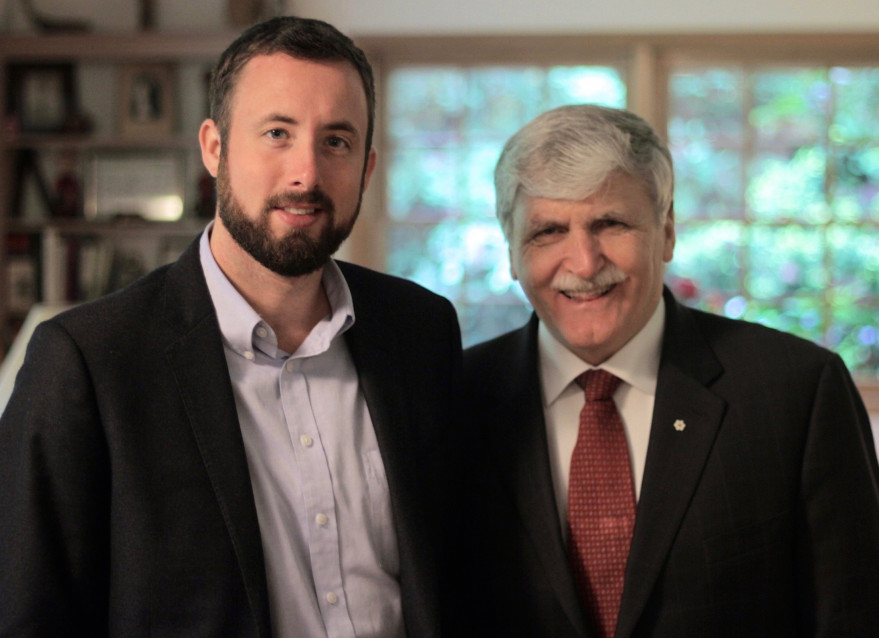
431, 197
708, 183
798, 251
446, 129
706, 127
788, 187
790, 107
706, 268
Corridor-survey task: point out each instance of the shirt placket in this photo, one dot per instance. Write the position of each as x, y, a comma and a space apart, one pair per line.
318, 497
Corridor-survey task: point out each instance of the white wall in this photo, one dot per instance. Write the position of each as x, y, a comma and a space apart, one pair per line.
392, 17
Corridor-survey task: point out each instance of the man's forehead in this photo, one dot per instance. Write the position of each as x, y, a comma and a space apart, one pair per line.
280, 65
282, 70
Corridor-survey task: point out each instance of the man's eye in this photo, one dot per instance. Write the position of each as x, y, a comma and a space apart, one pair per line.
276, 134
609, 223
338, 142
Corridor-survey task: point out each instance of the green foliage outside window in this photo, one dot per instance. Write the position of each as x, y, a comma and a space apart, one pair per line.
446, 129
777, 200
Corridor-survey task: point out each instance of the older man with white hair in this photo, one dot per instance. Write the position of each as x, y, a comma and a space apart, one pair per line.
650, 469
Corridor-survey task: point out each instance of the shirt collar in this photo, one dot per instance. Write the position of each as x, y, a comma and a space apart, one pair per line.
636, 363
240, 324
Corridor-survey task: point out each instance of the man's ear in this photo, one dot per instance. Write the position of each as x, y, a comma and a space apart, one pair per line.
209, 140
512, 267
668, 230
368, 169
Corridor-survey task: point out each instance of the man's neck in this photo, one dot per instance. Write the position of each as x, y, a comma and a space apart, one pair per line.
291, 306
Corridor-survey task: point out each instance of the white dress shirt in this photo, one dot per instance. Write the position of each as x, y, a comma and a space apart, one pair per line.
636, 363
318, 478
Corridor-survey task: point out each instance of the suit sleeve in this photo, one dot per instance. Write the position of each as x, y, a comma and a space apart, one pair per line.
54, 493
839, 531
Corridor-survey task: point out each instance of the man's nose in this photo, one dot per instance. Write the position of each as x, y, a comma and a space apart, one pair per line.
584, 256
303, 171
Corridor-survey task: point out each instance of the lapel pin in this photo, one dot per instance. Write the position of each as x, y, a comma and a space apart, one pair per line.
680, 425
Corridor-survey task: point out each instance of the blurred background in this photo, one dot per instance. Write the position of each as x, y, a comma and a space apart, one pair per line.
770, 109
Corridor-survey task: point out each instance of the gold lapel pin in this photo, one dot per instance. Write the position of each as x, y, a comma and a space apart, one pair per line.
680, 425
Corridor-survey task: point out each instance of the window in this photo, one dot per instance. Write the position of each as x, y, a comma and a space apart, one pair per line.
777, 199
446, 128
777, 165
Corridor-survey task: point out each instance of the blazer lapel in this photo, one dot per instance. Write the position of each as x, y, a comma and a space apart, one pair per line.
374, 351
198, 364
523, 460
686, 418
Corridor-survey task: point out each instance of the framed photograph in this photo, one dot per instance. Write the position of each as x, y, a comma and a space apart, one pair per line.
148, 186
42, 97
21, 283
146, 100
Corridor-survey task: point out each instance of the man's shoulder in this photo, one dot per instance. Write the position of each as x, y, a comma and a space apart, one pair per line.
141, 294
146, 300
372, 286
502, 352
163, 304
745, 350
734, 334
500, 343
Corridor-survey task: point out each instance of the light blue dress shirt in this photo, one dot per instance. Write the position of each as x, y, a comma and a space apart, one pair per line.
318, 479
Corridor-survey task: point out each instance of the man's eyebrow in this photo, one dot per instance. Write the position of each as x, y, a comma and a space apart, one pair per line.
341, 125
539, 221
277, 117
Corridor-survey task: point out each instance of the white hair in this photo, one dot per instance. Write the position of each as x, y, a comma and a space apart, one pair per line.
569, 152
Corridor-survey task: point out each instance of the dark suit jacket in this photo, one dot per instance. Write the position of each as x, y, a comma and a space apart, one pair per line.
124, 489
761, 518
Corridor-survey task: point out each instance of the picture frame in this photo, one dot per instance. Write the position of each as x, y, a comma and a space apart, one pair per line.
143, 185
146, 100
21, 283
42, 97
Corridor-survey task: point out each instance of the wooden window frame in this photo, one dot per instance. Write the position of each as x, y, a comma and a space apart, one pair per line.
646, 59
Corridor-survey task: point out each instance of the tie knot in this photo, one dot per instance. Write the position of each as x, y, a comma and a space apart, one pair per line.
598, 385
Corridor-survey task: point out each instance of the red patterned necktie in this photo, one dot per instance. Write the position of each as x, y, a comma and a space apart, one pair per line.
601, 502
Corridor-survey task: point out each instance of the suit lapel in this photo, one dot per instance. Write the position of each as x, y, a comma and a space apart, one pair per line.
523, 461
199, 366
675, 456
376, 356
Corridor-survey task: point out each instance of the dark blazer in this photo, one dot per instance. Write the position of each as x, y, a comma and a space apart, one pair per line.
760, 518
126, 501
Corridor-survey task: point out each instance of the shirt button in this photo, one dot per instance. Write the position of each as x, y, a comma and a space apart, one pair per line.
332, 598
306, 440
290, 365
321, 519
248, 355
261, 332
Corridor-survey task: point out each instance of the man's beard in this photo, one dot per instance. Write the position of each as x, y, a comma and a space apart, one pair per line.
297, 253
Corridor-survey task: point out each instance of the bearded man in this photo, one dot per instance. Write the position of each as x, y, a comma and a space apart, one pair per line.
255, 440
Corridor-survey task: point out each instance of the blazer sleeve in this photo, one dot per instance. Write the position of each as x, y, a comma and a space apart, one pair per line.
838, 540
54, 492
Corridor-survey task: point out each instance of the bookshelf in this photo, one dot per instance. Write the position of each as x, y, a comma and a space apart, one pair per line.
100, 173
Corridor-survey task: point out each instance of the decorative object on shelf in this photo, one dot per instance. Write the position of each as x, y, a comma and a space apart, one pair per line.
243, 13
49, 24
146, 15
22, 255
146, 100
27, 166
68, 187
21, 284
143, 185
42, 98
